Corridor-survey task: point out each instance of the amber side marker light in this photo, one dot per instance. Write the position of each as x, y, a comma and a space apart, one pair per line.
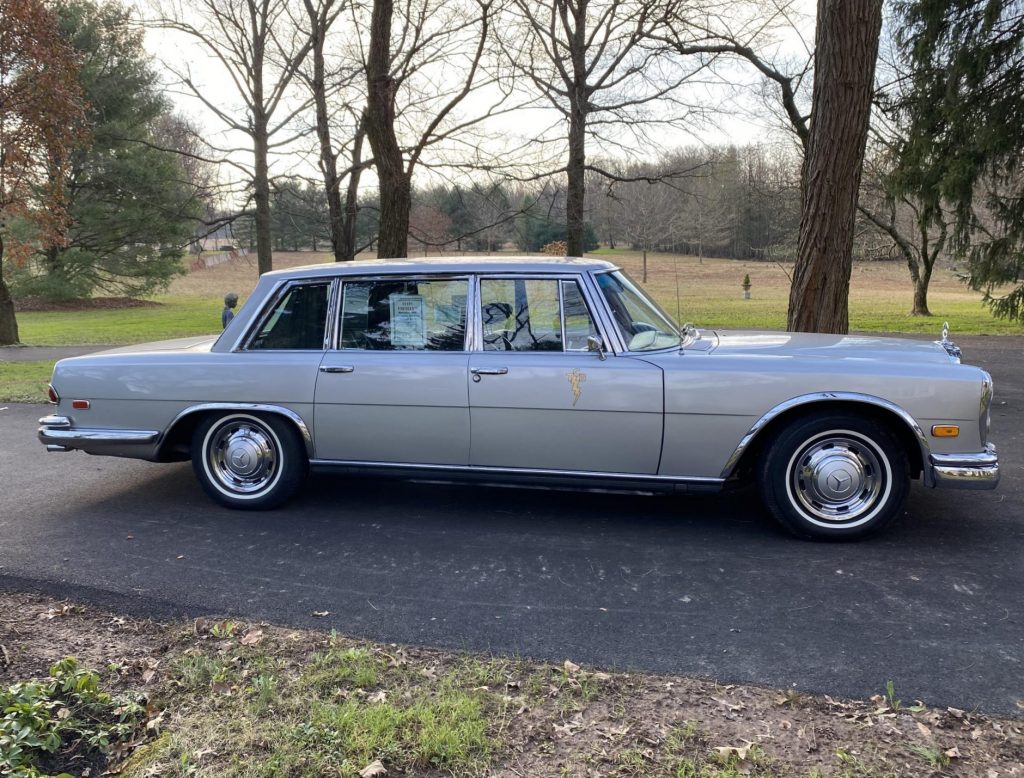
80, 405
945, 431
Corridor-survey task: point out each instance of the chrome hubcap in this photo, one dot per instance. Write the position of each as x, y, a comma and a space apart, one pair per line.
837, 479
242, 456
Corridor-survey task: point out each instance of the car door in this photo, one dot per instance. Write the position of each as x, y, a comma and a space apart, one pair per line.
540, 399
394, 389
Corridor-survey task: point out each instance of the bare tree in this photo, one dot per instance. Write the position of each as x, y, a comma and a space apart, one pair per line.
261, 52
599, 63
422, 60
339, 124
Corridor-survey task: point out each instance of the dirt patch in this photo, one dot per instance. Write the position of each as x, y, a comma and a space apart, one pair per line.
231, 698
26, 304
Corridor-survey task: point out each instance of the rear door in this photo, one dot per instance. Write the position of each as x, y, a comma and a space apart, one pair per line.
394, 390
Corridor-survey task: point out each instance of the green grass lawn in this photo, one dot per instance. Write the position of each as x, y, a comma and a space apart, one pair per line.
24, 381
175, 317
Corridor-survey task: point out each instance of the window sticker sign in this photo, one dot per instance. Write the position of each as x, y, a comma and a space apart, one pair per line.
408, 324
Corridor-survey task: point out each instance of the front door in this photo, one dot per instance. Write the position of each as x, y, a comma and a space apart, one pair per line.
395, 388
539, 399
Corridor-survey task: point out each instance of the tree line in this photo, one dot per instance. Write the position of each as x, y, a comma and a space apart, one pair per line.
479, 122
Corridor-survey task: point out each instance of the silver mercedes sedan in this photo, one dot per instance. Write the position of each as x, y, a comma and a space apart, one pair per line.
537, 371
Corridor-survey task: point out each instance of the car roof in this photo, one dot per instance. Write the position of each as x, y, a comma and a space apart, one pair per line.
469, 264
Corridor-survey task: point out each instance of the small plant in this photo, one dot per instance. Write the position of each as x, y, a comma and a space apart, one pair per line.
746, 286
68, 710
224, 629
934, 757
890, 697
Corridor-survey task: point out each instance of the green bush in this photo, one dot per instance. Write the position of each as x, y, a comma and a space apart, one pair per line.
68, 709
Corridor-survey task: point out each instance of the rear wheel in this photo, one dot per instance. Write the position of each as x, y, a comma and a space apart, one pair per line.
247, 461
834, 476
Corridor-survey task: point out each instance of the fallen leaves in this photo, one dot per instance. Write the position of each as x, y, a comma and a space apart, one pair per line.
375, 769
252, 637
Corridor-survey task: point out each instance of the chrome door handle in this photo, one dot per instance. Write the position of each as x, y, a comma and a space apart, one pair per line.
336, 369
488, 370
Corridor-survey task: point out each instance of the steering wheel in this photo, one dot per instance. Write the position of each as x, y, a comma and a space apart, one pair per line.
496, 337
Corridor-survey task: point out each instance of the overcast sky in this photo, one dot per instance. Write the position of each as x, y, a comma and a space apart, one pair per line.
741, 119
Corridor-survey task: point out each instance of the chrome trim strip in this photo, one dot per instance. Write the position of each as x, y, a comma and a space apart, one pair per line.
474, 321
279, 409
333, 306
666, 479
817, 397
603, 321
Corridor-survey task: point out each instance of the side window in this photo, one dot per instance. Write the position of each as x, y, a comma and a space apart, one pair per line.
297, 320
404, 315
525, 315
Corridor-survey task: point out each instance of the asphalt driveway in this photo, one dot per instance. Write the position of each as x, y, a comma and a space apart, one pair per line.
701, 586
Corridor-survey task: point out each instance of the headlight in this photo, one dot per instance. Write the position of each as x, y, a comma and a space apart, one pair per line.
985, 411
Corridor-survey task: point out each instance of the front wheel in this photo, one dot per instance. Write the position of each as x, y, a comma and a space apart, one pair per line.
248, 461
834, 476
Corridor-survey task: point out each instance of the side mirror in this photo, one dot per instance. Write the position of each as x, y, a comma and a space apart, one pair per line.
594, 343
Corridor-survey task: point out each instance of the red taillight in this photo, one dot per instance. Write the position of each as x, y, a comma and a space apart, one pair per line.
52, 394
80, 405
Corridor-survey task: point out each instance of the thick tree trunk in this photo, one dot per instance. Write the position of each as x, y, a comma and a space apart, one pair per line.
328, 162
576, 195
261, 189
348, 227
395, 185
846, 44
8, 321
921, 293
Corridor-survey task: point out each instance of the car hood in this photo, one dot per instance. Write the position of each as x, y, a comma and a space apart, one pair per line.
805, 345
200, 343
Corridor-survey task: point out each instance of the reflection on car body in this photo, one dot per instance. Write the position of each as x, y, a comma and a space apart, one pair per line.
534, 371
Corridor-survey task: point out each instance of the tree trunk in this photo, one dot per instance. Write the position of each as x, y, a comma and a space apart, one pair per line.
921, 293
576, 194
8, 321
395, 186
328, 161
348, 232
846, 47
261, 189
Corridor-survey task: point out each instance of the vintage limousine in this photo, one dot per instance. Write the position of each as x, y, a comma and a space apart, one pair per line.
556, 371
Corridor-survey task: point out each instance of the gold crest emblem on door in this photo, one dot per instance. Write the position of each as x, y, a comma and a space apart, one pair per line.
576, 378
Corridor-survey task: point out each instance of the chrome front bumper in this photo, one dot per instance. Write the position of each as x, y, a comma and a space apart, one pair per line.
965, 471
58, 434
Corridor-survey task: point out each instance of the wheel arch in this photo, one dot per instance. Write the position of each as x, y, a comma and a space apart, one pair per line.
896, 419
176, 439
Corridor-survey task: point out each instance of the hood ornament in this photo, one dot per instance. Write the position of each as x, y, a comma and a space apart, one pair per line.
951, 348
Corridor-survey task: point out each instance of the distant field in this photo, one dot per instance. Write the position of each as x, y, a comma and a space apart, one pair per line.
709, 295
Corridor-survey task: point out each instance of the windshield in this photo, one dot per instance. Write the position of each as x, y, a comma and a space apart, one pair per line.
641, 323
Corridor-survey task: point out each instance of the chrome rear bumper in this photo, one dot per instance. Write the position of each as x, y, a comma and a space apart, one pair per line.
58, 434
965, 471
